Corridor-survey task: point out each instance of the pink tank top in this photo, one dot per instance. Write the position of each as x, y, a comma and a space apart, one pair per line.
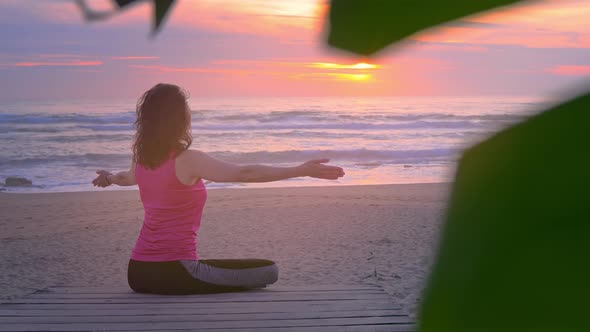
172, 214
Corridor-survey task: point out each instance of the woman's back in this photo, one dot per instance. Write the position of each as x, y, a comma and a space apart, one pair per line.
172, 214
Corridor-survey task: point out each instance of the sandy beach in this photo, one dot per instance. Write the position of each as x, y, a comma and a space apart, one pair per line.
317, 235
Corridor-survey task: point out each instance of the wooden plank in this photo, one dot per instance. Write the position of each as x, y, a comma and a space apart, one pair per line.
199, 318
198, 299
247, 295
226, 312
151, 326
44, 294
121, 289
348, 328
222, 296
316, 305
319, 308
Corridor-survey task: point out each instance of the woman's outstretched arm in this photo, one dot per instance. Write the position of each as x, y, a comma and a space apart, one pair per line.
201, 165
124, 178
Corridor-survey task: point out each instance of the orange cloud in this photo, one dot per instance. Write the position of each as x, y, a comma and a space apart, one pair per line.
547, 15
287, 76
328, 64
333, 76
402, 74
566, 70
541, 24
285, 69
535, 37
293, 21
60, 64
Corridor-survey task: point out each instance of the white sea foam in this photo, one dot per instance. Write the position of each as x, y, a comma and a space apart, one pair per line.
386, 140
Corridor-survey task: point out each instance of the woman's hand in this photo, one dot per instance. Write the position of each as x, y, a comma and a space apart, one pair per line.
316, 169
101, 180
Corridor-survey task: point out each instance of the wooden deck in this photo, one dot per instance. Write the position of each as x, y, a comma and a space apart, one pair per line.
317, 308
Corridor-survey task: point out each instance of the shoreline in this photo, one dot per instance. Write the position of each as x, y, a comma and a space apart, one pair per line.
355, 234
227, 188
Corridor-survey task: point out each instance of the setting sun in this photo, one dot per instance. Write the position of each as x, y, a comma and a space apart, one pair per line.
352, 72
353, 77
330, 65
363, 65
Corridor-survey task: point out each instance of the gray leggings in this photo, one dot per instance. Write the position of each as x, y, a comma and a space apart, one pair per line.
200, 277
236, 273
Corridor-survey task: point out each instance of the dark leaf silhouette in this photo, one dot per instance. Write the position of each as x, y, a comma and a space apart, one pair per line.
515, 244
161, 9
123, 3
365, 27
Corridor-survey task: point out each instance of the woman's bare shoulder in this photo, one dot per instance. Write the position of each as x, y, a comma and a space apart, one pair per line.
191, 157
191, 154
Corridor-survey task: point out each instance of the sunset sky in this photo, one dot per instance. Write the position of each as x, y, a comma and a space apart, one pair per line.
226, 48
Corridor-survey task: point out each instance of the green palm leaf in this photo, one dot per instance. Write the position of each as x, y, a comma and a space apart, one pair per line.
516, 240
367, 26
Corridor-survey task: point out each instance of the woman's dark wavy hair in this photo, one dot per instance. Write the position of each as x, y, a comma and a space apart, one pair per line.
162, 124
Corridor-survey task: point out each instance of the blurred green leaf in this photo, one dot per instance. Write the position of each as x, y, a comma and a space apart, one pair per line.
367, 26
515, 246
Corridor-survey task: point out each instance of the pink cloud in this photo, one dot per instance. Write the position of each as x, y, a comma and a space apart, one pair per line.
547, 15
59, 64
286, 68
52, 11
60, 56
531, 37
135, 57
292, 21
566, 70
283, 18
169, 69
540, 24
307, 76
283, 70
451, 47
89, 70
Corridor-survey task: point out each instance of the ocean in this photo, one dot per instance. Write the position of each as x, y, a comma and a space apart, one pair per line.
59, 145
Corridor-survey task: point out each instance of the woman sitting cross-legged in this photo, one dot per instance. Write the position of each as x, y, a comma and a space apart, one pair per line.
170, 180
